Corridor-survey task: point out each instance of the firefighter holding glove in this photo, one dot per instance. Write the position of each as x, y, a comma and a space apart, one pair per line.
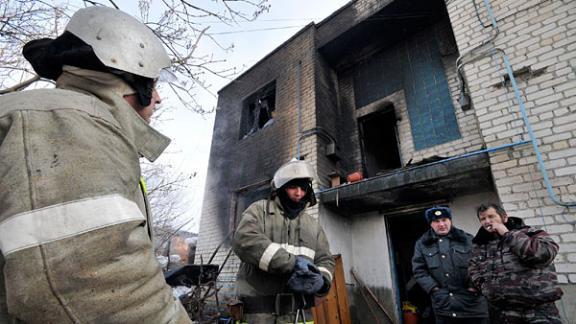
284, 252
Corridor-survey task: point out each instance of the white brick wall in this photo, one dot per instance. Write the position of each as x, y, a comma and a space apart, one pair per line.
539, 34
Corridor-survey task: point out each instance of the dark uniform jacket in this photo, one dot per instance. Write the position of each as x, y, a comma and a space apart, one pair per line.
517, 268
442, 261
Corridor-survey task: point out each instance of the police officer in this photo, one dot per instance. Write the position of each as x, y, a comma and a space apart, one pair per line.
440, 266
74, 225
285, 255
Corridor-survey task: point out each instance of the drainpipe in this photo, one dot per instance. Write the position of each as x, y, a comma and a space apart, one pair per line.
317, 131
542, 167
299, 106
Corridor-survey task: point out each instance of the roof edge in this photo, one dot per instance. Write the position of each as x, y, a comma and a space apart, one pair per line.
311, 24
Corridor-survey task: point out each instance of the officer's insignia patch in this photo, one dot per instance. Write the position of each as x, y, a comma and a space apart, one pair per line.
437, 213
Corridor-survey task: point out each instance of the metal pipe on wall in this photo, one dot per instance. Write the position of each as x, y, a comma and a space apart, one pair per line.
299, 106
527, 123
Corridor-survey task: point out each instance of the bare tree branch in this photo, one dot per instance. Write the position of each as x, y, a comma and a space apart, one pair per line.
183, 28
20, 86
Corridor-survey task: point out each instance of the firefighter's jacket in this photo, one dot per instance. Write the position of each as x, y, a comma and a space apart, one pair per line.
73, 219
268, 242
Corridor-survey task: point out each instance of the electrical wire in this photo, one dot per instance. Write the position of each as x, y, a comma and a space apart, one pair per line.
255, 30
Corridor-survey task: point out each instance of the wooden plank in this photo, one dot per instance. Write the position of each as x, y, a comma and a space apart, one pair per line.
318, 311
333, 309
341, 291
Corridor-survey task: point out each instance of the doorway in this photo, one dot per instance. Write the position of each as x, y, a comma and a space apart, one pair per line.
404, 229
379, 140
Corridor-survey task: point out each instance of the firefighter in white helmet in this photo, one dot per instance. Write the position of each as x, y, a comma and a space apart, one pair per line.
75, 240
286, 259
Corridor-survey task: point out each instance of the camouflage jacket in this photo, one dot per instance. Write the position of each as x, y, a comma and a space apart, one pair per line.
517, 268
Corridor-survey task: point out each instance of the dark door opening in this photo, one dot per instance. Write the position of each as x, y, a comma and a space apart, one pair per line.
379, 142
403, 232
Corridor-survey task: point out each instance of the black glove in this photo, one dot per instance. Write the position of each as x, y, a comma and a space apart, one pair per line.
303, 264
325, 287
306, 278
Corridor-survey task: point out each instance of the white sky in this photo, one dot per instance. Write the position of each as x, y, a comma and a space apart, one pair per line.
191, 133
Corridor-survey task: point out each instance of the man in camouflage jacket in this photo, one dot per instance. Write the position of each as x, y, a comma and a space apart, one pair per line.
511, 264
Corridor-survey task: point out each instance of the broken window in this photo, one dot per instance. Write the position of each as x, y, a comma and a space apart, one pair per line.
379, 138
258, 110
243, 199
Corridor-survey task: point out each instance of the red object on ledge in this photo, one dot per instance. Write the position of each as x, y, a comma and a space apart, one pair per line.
354, 177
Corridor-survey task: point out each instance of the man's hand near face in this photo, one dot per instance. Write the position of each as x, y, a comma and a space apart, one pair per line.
499, 228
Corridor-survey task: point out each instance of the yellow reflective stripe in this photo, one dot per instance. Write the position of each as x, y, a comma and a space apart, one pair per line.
271, 250
307, 322
326, 272
143, 185
299, 250
56, 222
268, 255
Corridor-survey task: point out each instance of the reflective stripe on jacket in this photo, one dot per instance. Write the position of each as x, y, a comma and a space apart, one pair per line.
268, 243
73, 219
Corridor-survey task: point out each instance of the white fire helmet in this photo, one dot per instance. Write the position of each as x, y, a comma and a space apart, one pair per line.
120, 41
295, 169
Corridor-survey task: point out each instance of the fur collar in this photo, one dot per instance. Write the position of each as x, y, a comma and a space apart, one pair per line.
455, 234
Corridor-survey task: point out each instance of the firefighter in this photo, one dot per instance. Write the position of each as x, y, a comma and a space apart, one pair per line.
285, 255
74, 224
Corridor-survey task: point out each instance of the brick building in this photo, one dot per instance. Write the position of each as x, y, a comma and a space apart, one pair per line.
375, 88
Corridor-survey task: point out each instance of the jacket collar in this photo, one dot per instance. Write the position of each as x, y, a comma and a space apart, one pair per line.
274, 199
456, 234
110, 89
483, 236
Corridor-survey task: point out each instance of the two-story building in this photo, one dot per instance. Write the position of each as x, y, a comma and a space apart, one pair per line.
450, 102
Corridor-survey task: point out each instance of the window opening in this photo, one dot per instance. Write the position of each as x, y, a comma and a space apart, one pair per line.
379, 139
258, 110
243, 199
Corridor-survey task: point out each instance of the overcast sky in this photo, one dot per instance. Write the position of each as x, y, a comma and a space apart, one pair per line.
191, 133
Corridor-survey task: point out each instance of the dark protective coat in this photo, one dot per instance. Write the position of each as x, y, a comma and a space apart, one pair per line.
268, 243
515, 269
443, 262
73, 219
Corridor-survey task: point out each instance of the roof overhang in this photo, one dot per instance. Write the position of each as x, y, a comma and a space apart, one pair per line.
415, 185
395, 21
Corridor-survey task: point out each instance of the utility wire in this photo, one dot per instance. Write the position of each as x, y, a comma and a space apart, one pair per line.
255, 30
269, 20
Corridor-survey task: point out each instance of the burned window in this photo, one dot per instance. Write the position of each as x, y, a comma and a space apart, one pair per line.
243, 199
379, 139
258, 110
